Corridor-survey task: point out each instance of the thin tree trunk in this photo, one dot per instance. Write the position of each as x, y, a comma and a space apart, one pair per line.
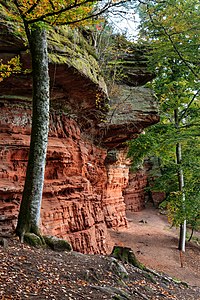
182, 237
182, 234
29, 215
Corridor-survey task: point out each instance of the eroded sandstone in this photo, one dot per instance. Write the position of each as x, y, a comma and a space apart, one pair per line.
83, 189
82, 196
134, 194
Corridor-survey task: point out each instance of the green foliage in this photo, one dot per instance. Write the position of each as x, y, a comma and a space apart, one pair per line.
171, 31
9, 68
116, 55
174, 27
160, 141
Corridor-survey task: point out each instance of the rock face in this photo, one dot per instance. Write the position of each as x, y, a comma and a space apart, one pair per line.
117, 180
84, 183
134, 194
131, 110
82, 196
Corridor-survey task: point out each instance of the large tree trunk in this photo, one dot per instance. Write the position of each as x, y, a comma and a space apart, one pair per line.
29, 215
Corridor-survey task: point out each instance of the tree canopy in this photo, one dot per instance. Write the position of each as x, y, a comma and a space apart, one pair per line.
170, 30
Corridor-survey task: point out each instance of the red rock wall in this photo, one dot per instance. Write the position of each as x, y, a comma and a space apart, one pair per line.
81, 196
113, 200
134, 194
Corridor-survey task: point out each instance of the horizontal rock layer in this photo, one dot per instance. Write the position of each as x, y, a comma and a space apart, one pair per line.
83, 189
82, 196
134, 194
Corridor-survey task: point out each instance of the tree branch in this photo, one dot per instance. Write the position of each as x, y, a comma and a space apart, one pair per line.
184, 112
32, 7
179, 54
172, 43
93, 15
77, 5
60, 11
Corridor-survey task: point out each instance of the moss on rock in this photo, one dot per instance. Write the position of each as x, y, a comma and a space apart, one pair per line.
68, 46
57, 244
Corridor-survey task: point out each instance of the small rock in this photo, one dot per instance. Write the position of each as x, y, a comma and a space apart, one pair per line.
143, 221
3, 242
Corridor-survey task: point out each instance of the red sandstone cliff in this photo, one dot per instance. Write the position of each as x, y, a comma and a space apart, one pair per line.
82, 196
134, 194
83, 190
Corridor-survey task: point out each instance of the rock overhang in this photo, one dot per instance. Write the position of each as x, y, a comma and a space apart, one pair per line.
132, 109
78, 88
74, 72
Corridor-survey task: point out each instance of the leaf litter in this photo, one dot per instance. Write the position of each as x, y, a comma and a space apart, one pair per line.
32, 273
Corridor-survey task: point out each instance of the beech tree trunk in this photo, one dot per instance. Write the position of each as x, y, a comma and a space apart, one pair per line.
29, 214
182, 234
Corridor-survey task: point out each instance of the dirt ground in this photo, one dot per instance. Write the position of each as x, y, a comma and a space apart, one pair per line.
37, 273
155, 244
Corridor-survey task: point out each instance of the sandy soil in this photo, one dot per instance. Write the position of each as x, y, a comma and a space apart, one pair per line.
155, 244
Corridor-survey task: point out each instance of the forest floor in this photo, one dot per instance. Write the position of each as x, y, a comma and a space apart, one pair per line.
35, 273
155, 244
